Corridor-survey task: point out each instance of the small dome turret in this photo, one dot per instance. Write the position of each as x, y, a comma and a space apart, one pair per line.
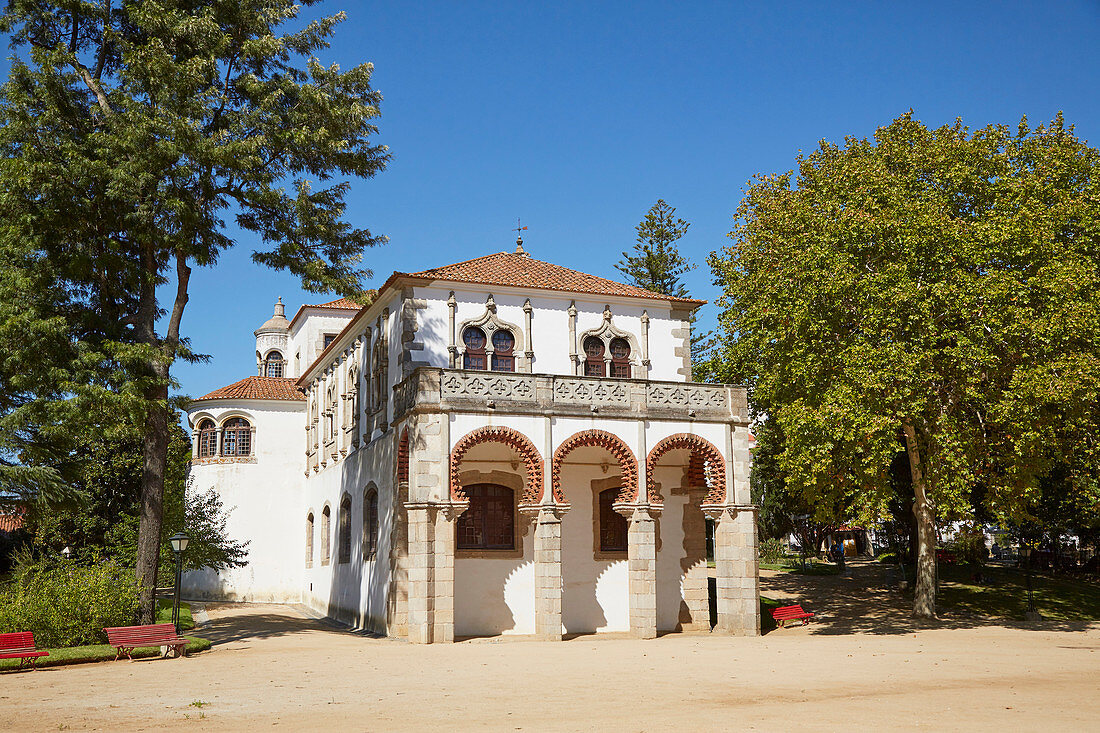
277, 322
271, 344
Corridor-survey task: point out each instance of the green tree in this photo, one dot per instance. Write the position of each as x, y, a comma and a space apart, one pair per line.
105, 523
784, 508
937, 288
130, 132
657, 265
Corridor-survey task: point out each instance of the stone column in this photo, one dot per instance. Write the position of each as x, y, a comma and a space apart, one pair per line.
398, 596
421, 573
443, 621
548, 580
641, 542
694, 563
736, 568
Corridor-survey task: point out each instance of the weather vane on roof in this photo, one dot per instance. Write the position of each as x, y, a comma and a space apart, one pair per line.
519, 237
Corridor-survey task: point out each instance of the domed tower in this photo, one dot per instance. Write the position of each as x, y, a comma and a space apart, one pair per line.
271, 344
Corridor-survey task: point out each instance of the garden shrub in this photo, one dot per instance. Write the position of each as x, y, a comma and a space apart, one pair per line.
969, 546
69, 604
771, 551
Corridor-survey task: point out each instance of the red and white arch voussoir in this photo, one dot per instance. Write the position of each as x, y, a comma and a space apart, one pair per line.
628, 464
510, 437
713, 464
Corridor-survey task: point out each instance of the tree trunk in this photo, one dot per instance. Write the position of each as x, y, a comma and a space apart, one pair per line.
924, 599
155, 439
155, 450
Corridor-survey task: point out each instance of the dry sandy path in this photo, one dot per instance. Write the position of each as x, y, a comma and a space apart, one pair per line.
271, 667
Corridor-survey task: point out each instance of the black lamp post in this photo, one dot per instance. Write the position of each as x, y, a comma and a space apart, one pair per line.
1025, 552
178, 541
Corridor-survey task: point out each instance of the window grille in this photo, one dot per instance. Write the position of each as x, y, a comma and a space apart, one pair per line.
489, 522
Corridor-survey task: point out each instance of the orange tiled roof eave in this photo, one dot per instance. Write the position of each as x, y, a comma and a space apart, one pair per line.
258, 388
509, 269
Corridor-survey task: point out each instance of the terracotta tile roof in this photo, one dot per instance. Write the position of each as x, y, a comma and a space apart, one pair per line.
512, 269
11, 522
341, 303
258, 388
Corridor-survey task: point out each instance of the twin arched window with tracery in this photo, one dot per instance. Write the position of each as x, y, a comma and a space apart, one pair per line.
596, 363
236, 438
476, 355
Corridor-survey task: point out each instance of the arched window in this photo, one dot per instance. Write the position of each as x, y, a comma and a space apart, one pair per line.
593, 357
330, 409
309, 540
620, 358
503, 358
344, 528
370, 524
236, 437
489, 522
273, 365
326, 534
613, 526
208, 439
474, 358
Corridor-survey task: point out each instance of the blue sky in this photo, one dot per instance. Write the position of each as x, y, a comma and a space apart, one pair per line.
576, 117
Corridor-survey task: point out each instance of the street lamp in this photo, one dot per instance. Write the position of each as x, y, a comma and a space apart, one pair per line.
178, 541
1025, 552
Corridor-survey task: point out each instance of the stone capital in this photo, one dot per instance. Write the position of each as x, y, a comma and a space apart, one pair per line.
718, 512
451, 510
542, 513
639, 511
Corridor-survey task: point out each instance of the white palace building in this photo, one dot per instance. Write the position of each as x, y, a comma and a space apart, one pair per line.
499, 446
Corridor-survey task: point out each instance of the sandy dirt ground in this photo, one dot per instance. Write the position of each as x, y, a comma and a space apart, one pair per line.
862, 665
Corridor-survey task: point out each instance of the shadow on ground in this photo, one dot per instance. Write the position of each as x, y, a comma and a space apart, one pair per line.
860, 602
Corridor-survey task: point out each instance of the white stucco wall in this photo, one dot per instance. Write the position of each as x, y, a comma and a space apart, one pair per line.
307, 335
355, 591
549, 325
257, 497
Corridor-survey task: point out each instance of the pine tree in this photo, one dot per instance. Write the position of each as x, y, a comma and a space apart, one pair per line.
129, 134
656, 264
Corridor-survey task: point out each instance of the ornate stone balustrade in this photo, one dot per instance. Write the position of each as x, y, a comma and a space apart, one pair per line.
432, 390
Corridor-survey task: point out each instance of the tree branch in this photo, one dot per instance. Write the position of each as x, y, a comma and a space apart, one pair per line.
183, 275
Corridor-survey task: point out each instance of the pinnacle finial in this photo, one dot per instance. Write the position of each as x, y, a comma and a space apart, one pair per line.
519, 238
280, 309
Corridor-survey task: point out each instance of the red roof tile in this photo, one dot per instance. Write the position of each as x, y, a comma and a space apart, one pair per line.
258, 388
11, 522
520, 270
341, 303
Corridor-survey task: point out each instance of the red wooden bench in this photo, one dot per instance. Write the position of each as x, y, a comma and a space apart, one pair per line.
20, 645
783, 614
128, 638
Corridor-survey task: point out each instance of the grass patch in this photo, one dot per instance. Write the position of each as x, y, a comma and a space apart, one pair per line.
792, 565
106, 652
99, 653
767, 605
1005, 594
164, 614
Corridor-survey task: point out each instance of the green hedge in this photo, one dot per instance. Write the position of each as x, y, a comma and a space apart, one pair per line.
68, 604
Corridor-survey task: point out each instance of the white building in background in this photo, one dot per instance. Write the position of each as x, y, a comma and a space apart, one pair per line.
499, 446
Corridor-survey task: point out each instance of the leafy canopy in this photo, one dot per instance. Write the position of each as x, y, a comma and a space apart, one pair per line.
946, 279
